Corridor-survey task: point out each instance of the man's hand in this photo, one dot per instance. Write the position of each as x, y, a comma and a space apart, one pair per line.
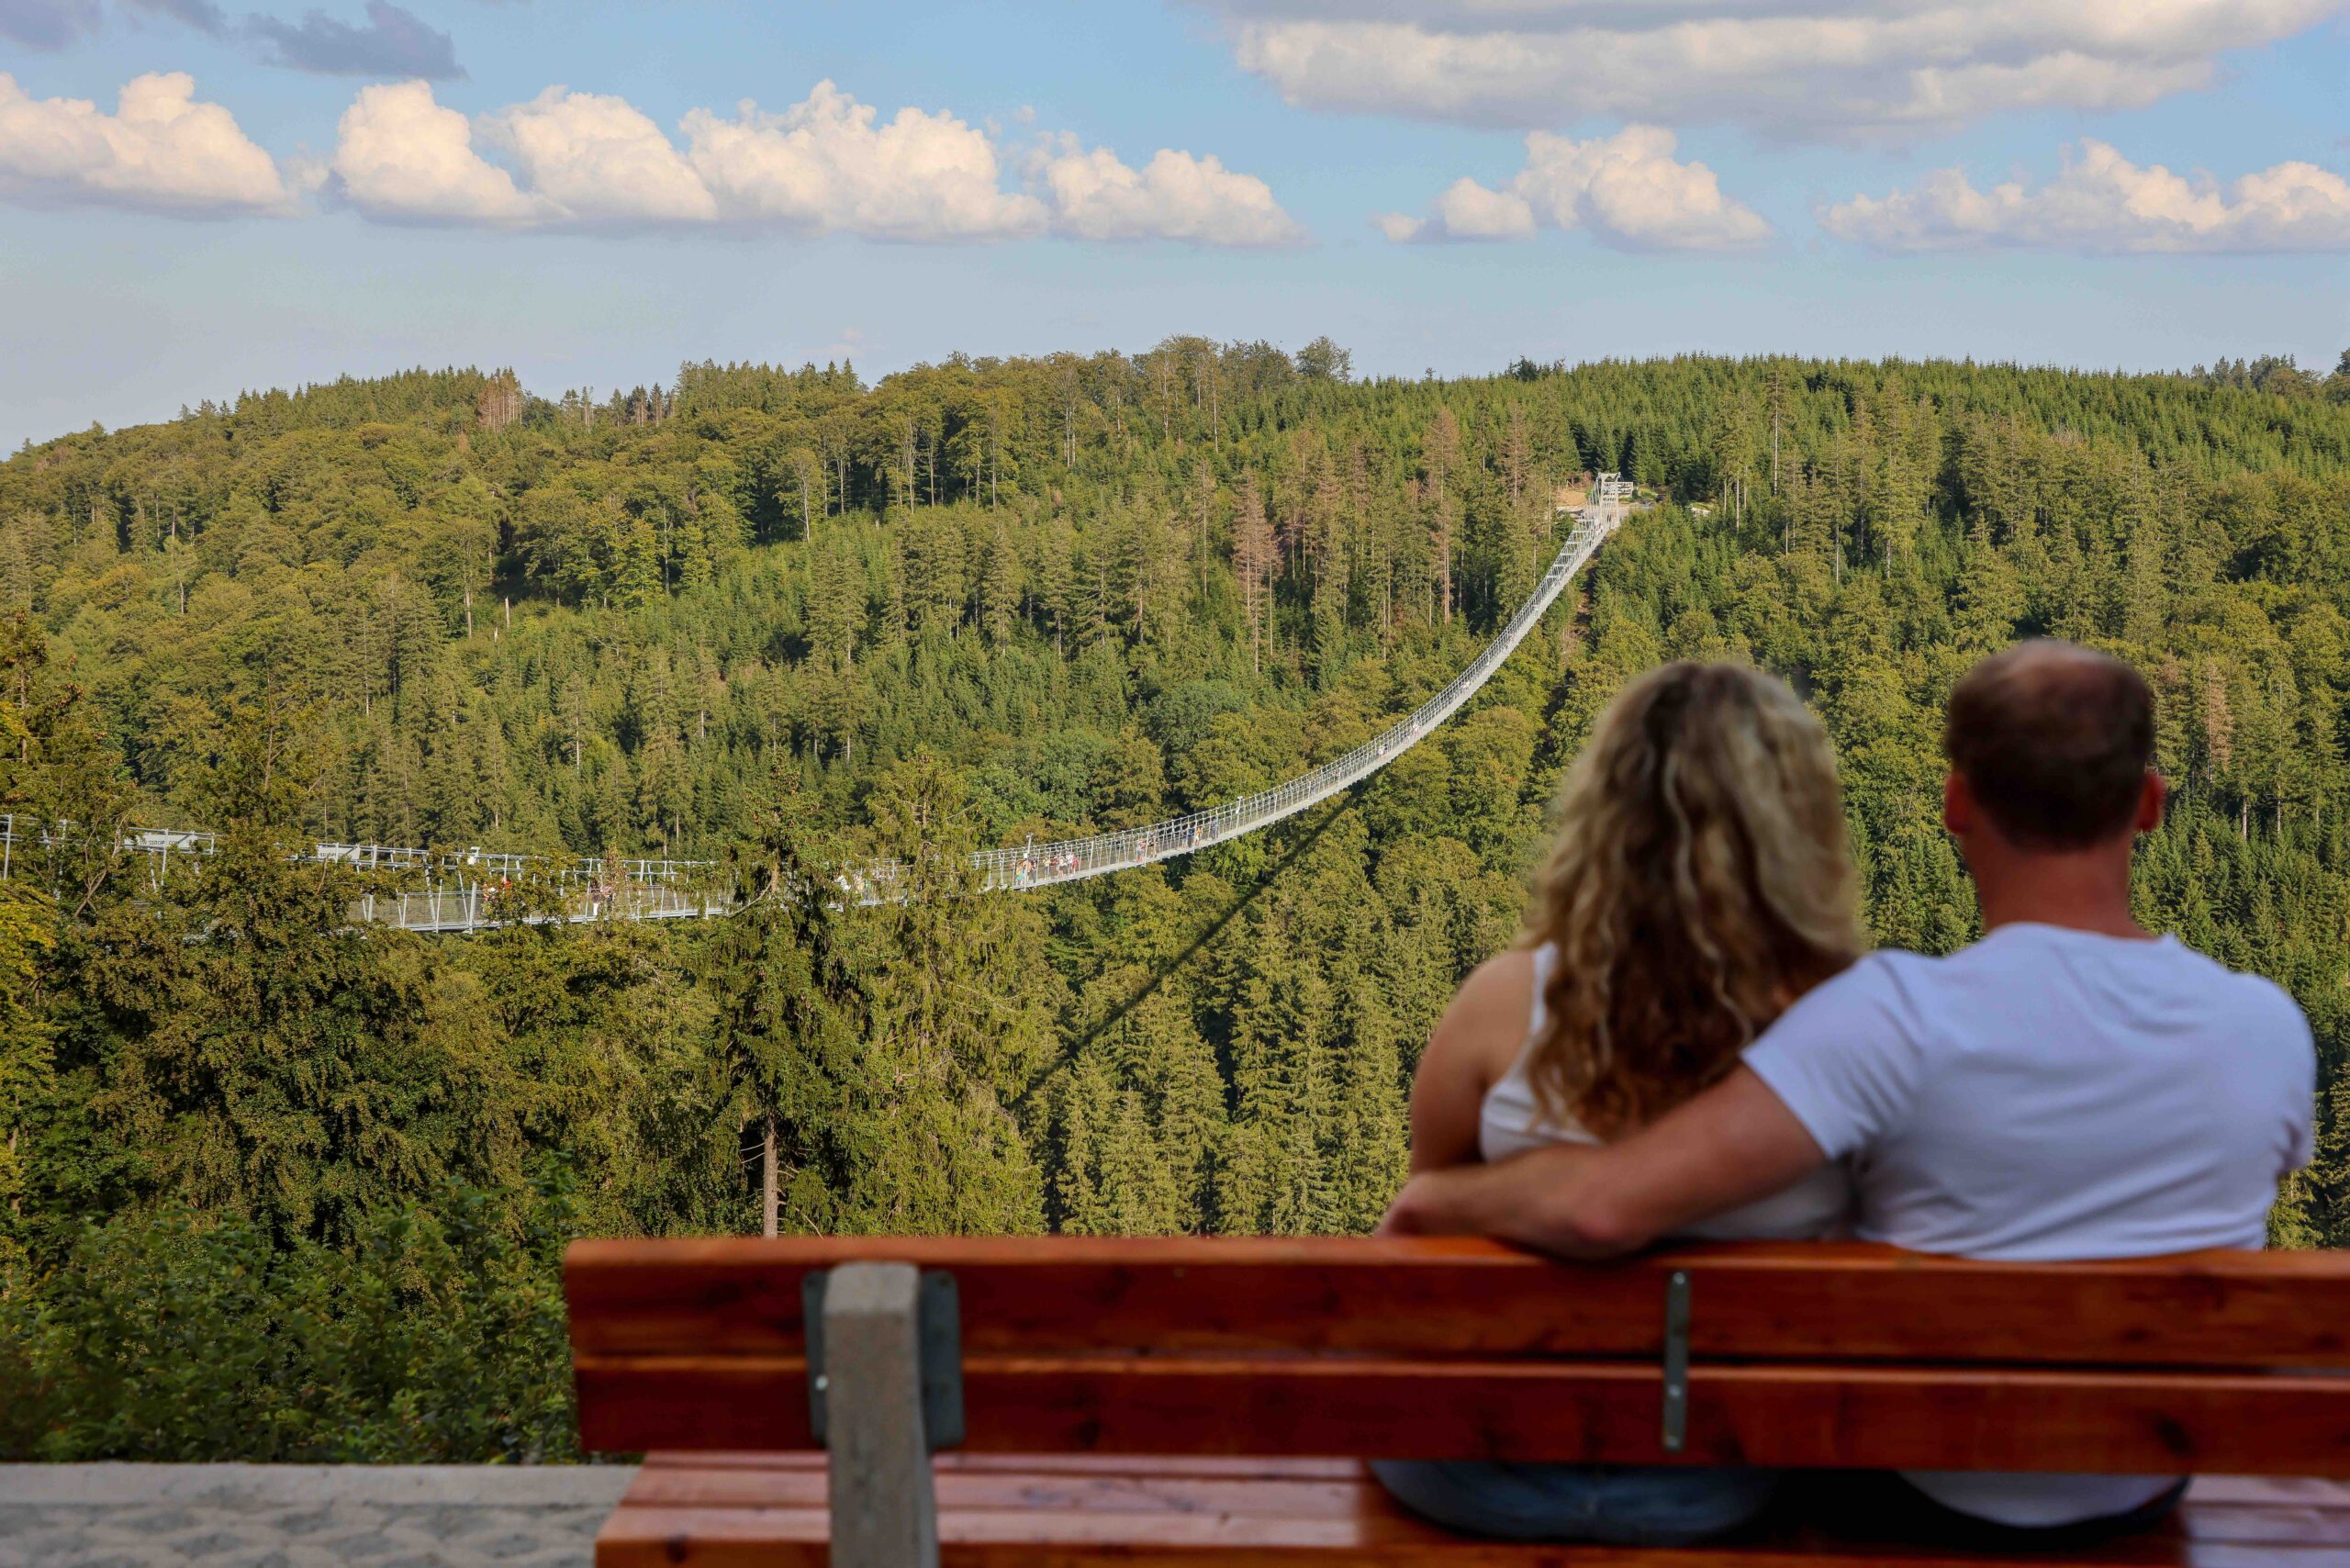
1730, 1145
1517, 1200
1419, 1209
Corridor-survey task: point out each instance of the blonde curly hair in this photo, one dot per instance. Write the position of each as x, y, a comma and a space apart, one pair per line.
1701, 881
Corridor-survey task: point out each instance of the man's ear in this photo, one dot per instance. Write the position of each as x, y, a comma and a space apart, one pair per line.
1958, 805
2151, 796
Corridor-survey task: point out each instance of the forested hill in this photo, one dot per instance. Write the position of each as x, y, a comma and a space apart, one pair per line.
773, 616
1024, 566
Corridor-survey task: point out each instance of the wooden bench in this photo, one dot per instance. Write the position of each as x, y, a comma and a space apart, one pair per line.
1164, 1400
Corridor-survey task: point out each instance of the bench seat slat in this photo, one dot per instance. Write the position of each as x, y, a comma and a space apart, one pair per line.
1778, 1413
995, 1514
741, 1295
1138, 1493
1204, 1465
1128, 1492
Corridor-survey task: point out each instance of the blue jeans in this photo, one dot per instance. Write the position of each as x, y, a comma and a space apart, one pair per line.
1614, 1504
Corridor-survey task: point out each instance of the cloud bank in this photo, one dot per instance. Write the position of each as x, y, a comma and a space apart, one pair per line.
1793, 69
1627, 189
161, 150
2102, 202
591, 161
828, 164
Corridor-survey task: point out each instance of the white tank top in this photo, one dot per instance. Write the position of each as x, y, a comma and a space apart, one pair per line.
1509, 1123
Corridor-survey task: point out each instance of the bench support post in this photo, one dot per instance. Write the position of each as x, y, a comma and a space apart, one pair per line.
884, 1507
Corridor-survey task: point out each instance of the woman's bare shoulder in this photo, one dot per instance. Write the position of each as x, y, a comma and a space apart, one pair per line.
1487, 1020
1503, 985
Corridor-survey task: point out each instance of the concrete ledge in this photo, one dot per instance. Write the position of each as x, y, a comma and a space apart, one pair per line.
297, 1485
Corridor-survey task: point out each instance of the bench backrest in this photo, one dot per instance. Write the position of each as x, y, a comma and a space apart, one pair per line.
1799, 1355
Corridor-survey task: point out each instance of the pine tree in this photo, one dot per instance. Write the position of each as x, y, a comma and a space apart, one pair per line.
953, 1046
790, 1011
1441, 451
1252, 561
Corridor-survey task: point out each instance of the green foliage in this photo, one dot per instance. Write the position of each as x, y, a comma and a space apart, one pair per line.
267, 1175
433, 1336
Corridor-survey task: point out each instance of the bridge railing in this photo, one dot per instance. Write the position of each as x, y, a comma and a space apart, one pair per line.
1037, 865
462, 889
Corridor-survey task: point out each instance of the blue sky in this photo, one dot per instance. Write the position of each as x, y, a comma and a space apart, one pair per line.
368, 185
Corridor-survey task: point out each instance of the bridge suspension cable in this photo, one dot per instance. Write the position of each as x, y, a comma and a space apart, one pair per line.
462, 888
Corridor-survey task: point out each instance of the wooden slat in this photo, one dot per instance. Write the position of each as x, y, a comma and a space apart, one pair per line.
2328, 1501
1206, 1466
2252, 1491
790, 1537
1108, 1494
1001, 1515
1789, 1414
1458, 1296
1137, 1493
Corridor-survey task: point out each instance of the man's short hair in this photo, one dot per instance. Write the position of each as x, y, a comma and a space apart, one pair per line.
2055, 740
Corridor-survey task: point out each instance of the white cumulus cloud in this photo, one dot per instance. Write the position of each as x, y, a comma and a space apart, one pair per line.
1786, 68
160, 151
1628, 189
401, 156
2102, 202
1094, 195
826, 165
595, 158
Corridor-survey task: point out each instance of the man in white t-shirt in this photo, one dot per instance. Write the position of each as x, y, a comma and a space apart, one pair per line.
2069, 1087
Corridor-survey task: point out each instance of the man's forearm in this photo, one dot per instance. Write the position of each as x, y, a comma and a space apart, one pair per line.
1540, 1200
1732, 1145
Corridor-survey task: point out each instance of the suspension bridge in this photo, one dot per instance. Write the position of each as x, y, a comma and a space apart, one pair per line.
452, 890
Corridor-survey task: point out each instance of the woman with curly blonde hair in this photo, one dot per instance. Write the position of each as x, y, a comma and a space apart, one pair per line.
1701, 881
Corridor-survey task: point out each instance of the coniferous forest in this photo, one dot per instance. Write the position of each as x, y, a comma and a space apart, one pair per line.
278, 1186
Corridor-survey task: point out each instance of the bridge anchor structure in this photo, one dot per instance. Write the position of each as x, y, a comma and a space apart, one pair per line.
462, 888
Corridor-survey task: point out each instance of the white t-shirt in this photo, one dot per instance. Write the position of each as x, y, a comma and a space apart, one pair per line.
2047, 1094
